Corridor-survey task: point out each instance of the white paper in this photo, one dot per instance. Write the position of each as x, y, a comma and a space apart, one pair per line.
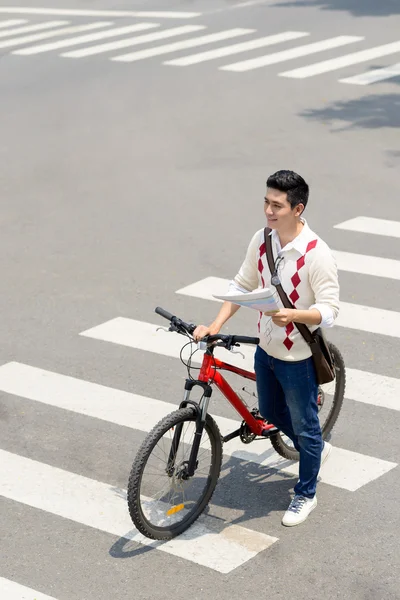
262, 299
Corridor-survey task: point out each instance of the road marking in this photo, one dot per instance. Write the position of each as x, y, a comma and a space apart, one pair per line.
49, 34
30, 28
144, 336
343, 61
292, 53
85, 38
10, 590
352, 316
370, 388
372, 226
199, 41
348, 470
11, 23
111, 14
209, 542
142, 39
236, 6
236, 48
368, 265
374, 76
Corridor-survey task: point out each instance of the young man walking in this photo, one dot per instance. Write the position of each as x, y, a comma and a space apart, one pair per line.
286, 380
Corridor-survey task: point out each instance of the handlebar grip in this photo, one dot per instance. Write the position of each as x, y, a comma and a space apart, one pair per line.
244, 339
164, 313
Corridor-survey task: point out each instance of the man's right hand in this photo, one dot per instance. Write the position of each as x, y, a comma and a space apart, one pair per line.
202, 330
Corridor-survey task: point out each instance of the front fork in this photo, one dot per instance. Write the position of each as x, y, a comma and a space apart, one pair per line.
201, 415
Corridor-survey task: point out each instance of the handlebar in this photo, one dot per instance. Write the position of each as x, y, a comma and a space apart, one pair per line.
227, 340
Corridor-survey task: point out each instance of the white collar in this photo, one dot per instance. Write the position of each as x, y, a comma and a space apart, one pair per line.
299, 243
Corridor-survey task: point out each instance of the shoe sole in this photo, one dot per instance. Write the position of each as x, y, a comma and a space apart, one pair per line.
302, 521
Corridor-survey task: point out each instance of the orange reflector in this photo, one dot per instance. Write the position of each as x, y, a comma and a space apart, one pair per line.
175, 509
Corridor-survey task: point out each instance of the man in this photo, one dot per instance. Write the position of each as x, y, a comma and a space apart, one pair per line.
286, 380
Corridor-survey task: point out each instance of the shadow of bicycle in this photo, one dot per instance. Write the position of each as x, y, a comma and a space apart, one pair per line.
246, 491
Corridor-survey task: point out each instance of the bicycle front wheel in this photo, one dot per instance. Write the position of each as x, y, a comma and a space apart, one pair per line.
163, 500
330, 400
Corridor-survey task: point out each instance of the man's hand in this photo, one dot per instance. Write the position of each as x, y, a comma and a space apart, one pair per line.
202, 330
283, 317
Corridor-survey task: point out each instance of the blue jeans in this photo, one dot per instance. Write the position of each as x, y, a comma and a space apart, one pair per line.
287, 397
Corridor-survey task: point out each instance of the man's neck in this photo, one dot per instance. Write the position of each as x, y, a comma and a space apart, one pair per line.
285, 237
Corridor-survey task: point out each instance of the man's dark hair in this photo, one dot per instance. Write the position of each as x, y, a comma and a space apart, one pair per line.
293, 184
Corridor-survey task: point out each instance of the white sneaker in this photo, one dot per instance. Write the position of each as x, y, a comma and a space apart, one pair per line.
298, 511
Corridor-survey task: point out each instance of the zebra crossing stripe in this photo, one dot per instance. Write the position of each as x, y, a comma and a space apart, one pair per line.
374, 76
352, 316
369, 388
10, 590
209, 542
347, 60
191, 43
194, 59
368, 265
142, 39
12, 23
70, 12
345, 469
292, 53
32, 28
85, 38
372, 226
49, 34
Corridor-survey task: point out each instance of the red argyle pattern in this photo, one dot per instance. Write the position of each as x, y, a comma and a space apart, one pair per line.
294, 295
260, 266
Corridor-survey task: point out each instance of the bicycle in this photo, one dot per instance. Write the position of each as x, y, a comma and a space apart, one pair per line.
185, 447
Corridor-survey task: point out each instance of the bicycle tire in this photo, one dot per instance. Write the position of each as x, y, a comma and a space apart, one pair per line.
144, 453
291, 453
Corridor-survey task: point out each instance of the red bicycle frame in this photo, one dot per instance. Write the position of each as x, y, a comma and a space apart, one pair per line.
209, 374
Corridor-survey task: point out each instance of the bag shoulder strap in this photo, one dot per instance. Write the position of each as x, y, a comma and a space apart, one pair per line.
303, 329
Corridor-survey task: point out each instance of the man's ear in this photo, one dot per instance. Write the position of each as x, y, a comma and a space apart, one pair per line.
299, 210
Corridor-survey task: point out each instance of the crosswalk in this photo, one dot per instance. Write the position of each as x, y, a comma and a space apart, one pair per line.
24, 38
211, 542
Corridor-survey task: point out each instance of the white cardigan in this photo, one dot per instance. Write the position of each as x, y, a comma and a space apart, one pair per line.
308, 274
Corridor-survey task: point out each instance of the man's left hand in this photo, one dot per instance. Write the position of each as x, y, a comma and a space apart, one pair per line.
283, 317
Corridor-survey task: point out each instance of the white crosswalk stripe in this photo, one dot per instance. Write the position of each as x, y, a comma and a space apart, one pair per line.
373, 76
143, 39
82, 39
11, 23
98, 505
194, 59
299, 51
368, 265
71, 12
372, 226
10, 590
351, 316
8, 29
345, 469
363, 386
191, 43
343, 61
18, 41
103, 507
32, 28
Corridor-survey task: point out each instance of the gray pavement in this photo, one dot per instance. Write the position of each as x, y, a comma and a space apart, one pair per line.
122, 183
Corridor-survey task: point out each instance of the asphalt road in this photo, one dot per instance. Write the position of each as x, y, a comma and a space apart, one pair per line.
122, 183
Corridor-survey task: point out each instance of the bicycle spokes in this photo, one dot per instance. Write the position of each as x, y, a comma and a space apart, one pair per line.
167, 492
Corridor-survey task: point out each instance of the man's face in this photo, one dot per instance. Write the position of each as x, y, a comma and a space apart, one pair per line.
278, 210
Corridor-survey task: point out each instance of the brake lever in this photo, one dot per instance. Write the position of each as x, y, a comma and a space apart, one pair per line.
237, 352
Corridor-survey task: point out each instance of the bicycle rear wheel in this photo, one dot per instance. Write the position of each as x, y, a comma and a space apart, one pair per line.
330, 400
162, 500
